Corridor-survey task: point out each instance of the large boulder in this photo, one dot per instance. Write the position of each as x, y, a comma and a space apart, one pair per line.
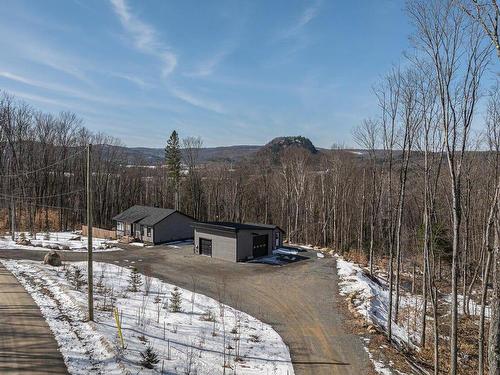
23, 242
52, 258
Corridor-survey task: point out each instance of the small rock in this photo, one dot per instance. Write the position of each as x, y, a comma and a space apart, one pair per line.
24, 242
52, 258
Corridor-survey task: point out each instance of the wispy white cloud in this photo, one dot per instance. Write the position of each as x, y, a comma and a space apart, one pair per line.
134, 79
202, 103
67, 90
39, 52
40, 84
144, 37
207, 67
307, 15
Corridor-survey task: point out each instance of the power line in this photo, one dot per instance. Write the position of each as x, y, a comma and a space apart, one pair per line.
41, 197
43, 168
59, 207
54, 207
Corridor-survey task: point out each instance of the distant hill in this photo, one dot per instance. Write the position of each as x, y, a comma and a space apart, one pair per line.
231, 154
152, 156
280, 144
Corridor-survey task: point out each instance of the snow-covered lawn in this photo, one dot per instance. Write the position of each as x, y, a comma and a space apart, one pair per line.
193, 341
61, 241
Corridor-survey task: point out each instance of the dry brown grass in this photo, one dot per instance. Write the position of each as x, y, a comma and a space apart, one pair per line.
357, 256
22, 221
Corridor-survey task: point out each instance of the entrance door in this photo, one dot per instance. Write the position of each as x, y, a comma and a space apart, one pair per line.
138, 231
260, 246
205, 247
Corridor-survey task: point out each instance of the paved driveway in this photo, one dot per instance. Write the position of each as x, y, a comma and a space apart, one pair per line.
27, 345
299, 300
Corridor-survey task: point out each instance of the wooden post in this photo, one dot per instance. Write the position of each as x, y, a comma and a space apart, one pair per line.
89, 237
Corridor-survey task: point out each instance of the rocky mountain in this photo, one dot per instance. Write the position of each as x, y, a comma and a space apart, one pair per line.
231, 154
280, 144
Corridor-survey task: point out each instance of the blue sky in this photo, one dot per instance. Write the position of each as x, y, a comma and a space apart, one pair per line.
232, 72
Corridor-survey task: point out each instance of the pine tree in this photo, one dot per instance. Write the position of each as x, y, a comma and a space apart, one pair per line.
149, 358
135, 280
175, 300
173, 162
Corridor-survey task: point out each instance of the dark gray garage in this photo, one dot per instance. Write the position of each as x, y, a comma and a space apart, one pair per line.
236, 241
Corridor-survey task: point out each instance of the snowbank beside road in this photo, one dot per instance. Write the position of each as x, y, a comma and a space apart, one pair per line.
371, 300
199, 338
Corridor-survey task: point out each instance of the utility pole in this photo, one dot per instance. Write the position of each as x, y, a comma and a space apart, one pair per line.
89, 237
13, 219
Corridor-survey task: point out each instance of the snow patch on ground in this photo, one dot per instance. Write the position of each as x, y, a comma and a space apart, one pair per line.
60, 241
379, 367
192, 337
371, 300
285, 251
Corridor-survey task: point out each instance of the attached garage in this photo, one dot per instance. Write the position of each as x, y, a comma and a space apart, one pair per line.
236, 241
260, 245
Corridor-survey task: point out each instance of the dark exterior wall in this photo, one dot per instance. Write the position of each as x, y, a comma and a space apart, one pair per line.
175, 227
223, 243
245, 242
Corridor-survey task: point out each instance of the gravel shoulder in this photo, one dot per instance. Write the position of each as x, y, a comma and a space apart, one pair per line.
299, 300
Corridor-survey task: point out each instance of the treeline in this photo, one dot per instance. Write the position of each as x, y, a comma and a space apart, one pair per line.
422, 196
42, 169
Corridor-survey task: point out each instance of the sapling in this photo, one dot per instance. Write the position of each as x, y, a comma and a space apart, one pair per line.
189, 362
158, 309
175, 300
208, 316
149, 358
135, 280
77, 278
147, 284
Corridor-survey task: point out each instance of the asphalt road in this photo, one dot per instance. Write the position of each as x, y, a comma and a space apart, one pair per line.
27, 345
299, 300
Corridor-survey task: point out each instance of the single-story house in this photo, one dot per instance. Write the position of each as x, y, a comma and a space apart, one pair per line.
236, 241
154, 225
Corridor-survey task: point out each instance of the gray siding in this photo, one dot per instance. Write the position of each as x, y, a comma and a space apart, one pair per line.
175, 227
145, 237
279, 243
126, 229
223, 243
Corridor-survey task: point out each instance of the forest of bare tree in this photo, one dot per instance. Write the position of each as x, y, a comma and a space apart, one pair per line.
422, 199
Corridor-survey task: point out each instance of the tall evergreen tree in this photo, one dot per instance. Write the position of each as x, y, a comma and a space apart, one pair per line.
173, 162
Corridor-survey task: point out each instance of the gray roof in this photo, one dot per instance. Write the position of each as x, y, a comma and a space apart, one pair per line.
144, 215
225, 225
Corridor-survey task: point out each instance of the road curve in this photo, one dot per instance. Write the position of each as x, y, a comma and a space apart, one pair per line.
27, 345
299, 300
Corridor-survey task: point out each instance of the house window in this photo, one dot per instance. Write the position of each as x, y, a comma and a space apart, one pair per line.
119, 226
148, 231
